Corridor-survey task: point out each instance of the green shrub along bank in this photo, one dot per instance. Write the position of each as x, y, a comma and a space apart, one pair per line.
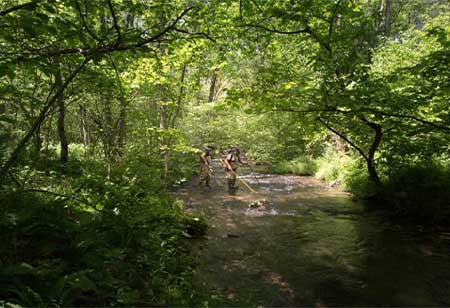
302, 165
81, 239
418, 192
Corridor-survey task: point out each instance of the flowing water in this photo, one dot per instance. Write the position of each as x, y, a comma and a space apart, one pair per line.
309, 245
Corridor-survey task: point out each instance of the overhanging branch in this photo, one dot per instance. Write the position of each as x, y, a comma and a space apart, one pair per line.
306, 30
105, 49
29, 5
352, 144
201, 34
366, 110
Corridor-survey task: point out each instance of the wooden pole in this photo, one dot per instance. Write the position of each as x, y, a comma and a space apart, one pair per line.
232, 171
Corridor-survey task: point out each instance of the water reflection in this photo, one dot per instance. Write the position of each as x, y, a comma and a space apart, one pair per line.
311, 245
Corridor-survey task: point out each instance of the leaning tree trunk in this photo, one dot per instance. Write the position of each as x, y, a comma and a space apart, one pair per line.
370, 159
61, 119
41, 117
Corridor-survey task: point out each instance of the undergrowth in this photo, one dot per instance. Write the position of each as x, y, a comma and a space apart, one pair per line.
79, 238
418, 191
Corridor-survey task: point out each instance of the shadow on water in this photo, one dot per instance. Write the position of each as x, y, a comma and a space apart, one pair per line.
311, 245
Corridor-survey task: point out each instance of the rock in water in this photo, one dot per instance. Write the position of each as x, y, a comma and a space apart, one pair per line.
232, 235
263, 203
334, 184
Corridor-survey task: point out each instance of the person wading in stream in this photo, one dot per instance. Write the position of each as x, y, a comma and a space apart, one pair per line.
205, 166
230, 164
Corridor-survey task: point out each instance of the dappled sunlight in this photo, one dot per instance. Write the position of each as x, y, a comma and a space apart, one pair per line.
197, 153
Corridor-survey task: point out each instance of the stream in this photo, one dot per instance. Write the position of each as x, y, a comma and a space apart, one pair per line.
311, 245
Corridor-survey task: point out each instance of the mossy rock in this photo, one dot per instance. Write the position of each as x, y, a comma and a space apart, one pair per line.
196, 227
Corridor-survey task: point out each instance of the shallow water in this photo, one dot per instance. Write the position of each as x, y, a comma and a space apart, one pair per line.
312, 245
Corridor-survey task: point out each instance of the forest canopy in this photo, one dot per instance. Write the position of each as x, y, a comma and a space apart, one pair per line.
105, 106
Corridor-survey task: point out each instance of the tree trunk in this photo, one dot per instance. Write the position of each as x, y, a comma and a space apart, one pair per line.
170, 122
108, 134
370, 156
42, 115
387, 19
163, 122
373, 174
84, 126
378, 134
48, 135
212, 87
163, 127
378, 18
123, 110
61, 119
180, 97
122, 122
38, 139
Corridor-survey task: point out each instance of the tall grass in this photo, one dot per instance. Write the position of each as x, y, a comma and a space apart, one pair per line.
302, 165
332, 167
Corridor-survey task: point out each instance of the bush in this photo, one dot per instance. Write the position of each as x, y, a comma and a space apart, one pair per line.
421, 192
112, 243
332, 166
356, 180
302, 165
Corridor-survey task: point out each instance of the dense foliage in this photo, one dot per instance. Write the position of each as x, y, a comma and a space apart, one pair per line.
105, 104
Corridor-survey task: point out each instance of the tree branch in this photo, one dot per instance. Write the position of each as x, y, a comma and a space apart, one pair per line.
407, 116
83, 21
108, 48
330, 30
164, 31
368, 110
306, 30
195, 33
274, 30
29, 5
306, 111
353, 145
116, 25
